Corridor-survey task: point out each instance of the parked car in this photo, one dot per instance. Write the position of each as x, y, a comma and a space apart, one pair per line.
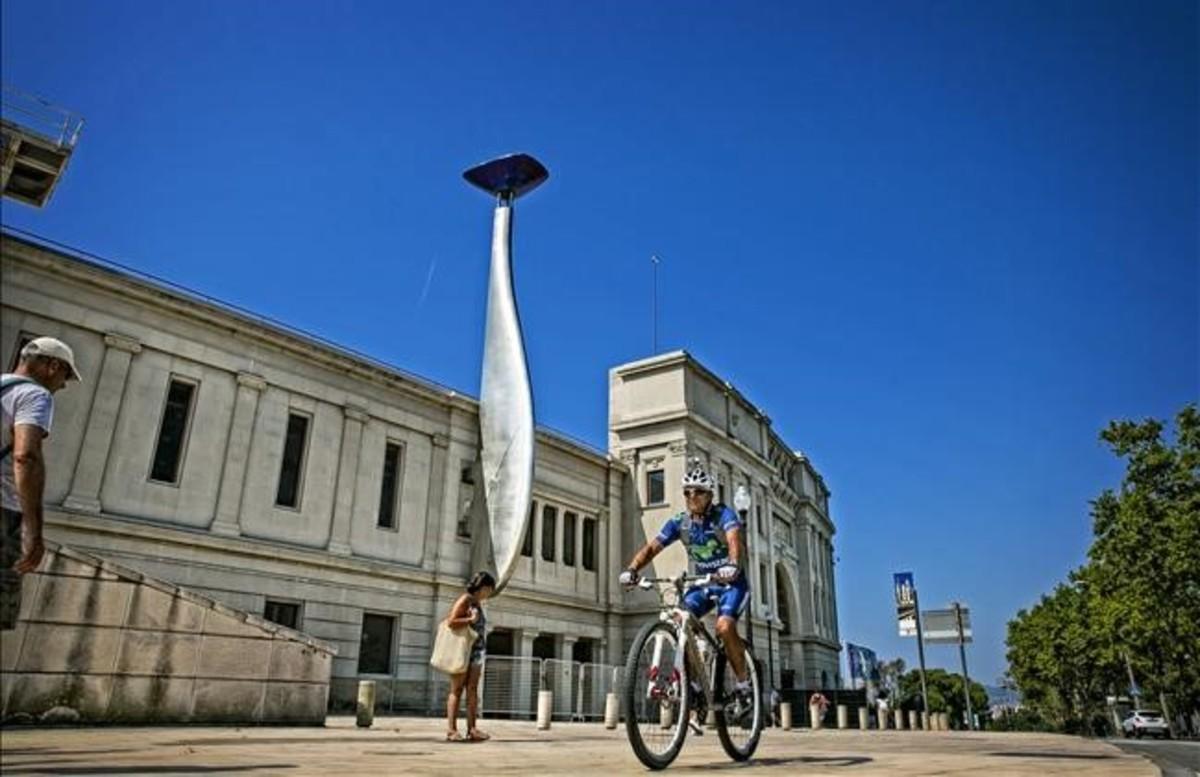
1141, 722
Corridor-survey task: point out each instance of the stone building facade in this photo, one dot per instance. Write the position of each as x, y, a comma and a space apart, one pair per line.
288, 477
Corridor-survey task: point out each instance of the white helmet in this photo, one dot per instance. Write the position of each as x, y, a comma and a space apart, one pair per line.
696, 477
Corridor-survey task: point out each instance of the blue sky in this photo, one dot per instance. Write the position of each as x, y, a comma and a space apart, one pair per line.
941, 243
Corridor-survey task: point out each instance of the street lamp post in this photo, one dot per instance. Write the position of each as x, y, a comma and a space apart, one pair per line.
741, 503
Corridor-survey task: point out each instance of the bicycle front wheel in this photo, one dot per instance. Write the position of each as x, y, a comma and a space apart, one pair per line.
739, 710
656, 696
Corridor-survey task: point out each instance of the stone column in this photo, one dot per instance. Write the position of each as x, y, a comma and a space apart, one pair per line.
228, 520
525, 675
566, 678
347, 479
441, 469
101, 423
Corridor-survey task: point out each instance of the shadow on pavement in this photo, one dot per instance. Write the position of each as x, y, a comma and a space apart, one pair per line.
174, 769
1079, 756
833, 760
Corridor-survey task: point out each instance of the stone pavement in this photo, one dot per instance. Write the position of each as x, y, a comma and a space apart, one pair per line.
415, 746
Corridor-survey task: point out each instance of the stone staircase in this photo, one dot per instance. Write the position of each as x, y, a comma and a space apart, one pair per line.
101, 643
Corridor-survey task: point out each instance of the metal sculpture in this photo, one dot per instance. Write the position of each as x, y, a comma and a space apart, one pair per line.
505, 399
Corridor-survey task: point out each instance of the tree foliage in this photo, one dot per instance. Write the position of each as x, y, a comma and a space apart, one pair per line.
1137, 599
945, 694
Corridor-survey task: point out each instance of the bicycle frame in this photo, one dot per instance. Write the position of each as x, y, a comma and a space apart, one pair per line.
689, 630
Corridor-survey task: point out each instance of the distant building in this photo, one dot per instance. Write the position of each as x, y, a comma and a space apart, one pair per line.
290, 478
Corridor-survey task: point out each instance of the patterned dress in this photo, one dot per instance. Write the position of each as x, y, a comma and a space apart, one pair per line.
479, 649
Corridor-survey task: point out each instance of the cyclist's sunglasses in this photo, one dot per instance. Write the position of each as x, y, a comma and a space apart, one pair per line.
690, 492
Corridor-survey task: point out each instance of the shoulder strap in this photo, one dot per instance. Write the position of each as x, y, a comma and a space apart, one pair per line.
7, 382
12, 380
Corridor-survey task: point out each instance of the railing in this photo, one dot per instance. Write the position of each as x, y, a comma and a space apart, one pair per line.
508, 688
30, 112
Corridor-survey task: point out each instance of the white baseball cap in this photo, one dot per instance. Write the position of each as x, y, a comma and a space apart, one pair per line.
53, 348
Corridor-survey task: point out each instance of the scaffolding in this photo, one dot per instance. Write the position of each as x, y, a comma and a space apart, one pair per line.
37, 139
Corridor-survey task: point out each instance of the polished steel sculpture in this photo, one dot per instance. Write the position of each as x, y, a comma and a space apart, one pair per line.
505, 399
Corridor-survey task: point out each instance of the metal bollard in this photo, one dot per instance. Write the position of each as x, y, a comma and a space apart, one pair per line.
814, 716
545, 706
612, 708
864, 719
366, 703
914, 720
785, 715
899, 716
843, 716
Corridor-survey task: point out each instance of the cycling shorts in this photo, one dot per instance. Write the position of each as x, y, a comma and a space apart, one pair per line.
729, 599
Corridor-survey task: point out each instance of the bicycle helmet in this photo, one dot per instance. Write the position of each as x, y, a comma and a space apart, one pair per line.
696, 477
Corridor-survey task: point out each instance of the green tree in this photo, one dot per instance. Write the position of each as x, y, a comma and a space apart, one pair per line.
945, 694
1145, 560
1138, 597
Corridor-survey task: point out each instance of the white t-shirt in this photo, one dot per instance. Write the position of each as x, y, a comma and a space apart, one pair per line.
26, 403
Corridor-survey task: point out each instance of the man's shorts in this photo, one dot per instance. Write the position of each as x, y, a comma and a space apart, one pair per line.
730, 599
10, 581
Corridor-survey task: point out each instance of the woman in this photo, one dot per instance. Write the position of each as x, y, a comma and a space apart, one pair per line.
468, 611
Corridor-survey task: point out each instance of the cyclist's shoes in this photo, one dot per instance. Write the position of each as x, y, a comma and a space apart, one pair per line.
743, 700
629, 577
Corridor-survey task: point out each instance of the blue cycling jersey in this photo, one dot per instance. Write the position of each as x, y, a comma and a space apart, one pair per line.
705, 539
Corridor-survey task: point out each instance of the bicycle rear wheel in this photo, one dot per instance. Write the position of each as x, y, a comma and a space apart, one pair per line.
655, 696
739, 713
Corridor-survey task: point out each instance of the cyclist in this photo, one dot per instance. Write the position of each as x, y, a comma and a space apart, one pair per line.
712, 534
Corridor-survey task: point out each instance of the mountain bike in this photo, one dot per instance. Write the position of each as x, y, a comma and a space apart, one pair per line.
676, 673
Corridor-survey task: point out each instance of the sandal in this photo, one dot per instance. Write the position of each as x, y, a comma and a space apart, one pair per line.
476, 735
454, 736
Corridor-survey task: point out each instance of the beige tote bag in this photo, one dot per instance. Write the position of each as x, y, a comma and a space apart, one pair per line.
452, 648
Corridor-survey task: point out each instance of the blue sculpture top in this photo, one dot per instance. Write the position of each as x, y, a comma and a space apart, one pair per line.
508, 177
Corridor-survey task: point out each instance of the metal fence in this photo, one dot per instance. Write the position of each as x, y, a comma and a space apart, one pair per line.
508, 688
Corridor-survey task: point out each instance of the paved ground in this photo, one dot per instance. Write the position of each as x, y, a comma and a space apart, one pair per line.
414, 746
1176, 759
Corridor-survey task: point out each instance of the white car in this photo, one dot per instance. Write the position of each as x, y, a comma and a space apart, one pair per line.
1141, 722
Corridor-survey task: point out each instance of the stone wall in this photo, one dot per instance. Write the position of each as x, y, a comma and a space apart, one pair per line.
116, 646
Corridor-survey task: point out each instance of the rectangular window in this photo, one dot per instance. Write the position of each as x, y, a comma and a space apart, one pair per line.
292, 468
390, 486
527, 545
283, 613
762, 582
589, 544
569, 520
758, 518
375, 647
466, 499
549, 531
172, 432
720, 493
656, 487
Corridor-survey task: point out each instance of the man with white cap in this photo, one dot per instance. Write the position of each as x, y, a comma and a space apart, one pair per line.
26, 398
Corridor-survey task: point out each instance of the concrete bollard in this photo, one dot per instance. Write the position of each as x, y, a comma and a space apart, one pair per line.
843, 716
710, 719
785, 715
612, 710
926, 724
914, 718
943, 721
814, 716
883, 720
366, 704
864, 719
899, 716
666, 716
545, 707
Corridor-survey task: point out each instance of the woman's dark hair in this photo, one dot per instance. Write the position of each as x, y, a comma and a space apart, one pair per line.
481, 580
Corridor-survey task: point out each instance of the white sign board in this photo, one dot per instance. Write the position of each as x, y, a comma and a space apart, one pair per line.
941, 626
